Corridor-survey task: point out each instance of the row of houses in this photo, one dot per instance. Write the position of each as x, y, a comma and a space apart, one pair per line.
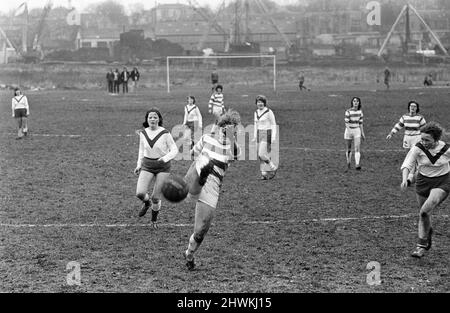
182, 24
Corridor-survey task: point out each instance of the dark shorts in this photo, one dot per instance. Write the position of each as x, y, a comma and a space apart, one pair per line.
154, 166
20, 113
424, 184
191, 126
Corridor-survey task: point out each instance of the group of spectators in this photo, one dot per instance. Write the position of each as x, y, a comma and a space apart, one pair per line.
115, 78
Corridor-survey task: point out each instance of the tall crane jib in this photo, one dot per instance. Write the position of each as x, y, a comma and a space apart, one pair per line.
212, 23
36, 53
292, 51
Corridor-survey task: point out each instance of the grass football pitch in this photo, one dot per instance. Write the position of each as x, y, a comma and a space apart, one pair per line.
67, 193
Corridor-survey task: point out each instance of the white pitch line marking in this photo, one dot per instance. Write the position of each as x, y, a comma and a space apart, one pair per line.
340, 150
123, 225
73, 136
281, 148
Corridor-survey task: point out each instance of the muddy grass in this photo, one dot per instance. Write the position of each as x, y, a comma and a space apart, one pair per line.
287, 235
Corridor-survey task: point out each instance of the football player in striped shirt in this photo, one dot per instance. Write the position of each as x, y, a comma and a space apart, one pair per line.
215, 152
411, 121
20, 111
216, 105
265, 132
192, 118
156, 149
432, 156
354, 131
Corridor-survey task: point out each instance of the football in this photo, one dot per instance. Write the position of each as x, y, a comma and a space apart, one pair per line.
175, 189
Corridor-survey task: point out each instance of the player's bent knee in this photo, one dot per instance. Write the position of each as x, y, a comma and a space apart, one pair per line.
140, 195
199, 236
154, 199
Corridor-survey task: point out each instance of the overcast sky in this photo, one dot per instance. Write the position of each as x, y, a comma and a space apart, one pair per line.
8, 5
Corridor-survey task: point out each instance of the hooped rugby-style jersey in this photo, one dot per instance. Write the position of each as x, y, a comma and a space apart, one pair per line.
216, 101
220, 150
354, 118
411, 123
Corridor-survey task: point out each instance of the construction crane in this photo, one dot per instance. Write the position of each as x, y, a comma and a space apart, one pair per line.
238, 43
36, 53
405, 10
7, 44
212, 22
292, 51
40, 28
264, 9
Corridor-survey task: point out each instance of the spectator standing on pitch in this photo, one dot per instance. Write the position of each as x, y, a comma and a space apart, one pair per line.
116, 81
354, 131
20, 111
134, 75
428, 81
124, 77
192, 118
110, 81
265, 132
411, 121
205, 176
214, 79
301, 82
433, 179
387, 77
156, 149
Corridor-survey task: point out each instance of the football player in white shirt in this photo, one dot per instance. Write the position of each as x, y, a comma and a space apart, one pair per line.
20, 111
192, 118
432, 157
156, 149
265, 132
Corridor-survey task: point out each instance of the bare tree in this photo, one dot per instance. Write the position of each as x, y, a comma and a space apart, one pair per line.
111, 10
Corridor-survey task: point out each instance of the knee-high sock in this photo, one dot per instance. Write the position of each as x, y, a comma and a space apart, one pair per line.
146, 198
424, 225
192, 247
156, 206
357, 157
348, 155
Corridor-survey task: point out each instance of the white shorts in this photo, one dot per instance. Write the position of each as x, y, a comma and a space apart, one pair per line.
210, 192
410, 141
352, 133
217, 111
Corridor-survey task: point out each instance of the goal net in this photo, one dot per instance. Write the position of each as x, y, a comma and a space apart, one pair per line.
240, 70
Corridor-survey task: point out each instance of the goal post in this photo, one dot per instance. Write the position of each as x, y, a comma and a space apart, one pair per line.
261, 56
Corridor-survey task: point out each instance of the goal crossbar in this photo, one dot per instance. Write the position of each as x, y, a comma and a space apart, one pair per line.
168, 58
